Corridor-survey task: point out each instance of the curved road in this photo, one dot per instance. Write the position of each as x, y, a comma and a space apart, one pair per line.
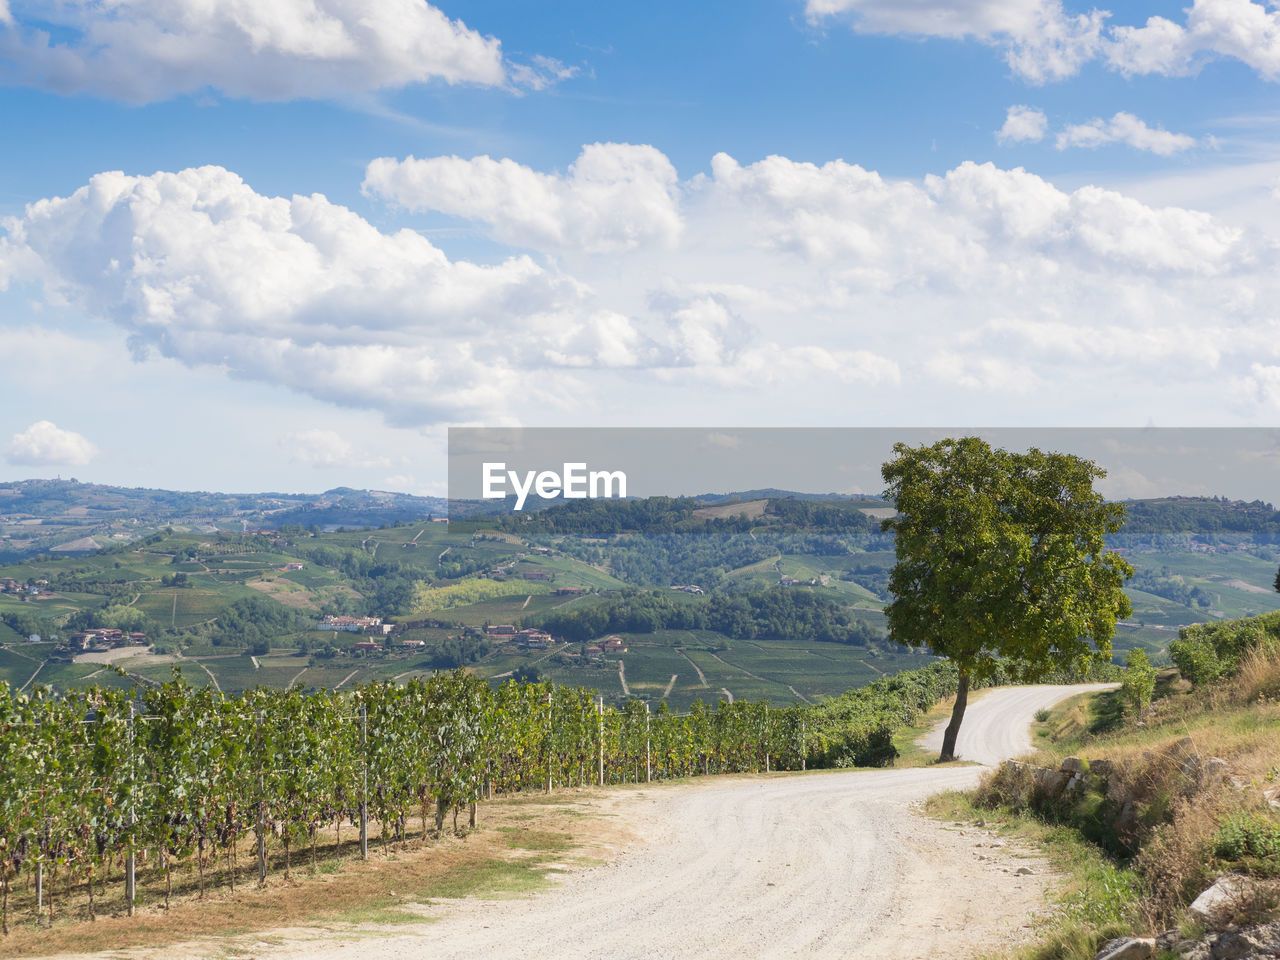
828, 865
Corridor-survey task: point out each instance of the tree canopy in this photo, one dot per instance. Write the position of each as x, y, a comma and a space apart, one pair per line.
1002, 554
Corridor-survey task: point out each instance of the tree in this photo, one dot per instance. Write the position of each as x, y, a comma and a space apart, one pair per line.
1001, 561
1139, 683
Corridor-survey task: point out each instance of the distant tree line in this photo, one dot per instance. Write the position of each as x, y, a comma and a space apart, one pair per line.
777, 614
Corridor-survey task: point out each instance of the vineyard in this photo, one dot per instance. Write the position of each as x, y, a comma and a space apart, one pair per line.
182, 776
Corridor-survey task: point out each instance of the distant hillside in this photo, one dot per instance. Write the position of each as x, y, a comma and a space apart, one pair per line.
1201, 515
66, 516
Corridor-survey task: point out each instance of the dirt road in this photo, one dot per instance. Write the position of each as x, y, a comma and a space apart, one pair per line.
829, 865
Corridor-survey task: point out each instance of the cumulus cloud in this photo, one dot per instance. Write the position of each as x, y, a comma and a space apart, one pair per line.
327, 448
1023, 124
749, 281
615, 196
298, 291
303, 293
1127, 129
147, 50
1042, 41
45, 444
1238, 29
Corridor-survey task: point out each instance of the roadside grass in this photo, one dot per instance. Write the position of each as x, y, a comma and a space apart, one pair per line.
1098, 899
1139, 878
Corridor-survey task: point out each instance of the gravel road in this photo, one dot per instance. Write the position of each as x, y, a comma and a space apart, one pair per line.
829, 865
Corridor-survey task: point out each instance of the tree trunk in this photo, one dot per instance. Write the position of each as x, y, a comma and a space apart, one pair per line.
957, 714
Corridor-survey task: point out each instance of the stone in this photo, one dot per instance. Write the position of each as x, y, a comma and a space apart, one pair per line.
1073, 765
1050, 782
1101, 768
1217, 899
1126, 823
1233, 946
1023, 872
1214, 771
1128, 948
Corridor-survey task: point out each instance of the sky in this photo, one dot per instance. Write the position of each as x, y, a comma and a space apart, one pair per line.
286, 246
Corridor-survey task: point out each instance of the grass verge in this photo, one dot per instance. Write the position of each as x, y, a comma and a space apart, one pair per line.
1098, 899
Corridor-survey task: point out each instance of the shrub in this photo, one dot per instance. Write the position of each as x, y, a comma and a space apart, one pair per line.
1196, 658
1139, 683
1249, 839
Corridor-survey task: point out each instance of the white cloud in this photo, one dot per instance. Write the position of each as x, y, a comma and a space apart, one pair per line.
1023, 124
935, 18
297, 291
541, 73
44, 444
615, 196
988, 374
146, 50
1042, 41
1239, 29
1124, 128
327, 448
784, 279
302, 293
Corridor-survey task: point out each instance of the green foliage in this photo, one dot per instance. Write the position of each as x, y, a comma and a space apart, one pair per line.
1002, 554
1139, 683
1250, 839
1206, 651
776, 614
1202, 515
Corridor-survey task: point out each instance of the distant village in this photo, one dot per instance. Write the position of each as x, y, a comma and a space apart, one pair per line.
97, 640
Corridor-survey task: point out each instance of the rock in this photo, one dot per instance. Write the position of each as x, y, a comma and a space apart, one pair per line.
1126, 824
1217, 899
1050, 782
1168, 940
1023, 872
1117, 790
1128, 948
1213, 771
1101, 768
1073, 765
1234, 946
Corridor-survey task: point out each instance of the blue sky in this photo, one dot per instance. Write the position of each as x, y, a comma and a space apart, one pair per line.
285, 246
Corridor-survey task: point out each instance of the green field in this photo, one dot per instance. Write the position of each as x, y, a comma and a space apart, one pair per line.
223, 570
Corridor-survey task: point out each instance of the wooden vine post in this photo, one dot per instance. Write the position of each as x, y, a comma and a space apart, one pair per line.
648, 764
262, 803
364, 781
600, 720
130, 862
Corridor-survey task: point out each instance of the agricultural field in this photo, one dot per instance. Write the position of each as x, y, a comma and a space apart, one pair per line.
216, 600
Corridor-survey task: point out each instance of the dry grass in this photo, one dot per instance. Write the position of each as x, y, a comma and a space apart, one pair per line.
1177, 813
